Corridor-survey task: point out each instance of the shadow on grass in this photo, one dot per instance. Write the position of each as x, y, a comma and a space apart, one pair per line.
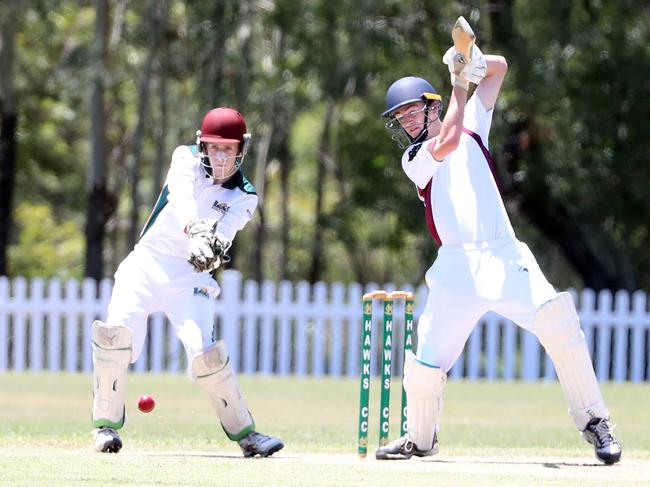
234, 456
544, 463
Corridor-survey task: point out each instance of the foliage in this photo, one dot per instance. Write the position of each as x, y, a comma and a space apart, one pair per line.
581, 104
569, 132
46, 247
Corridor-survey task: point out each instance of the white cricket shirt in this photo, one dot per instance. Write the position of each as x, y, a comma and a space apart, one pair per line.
462, 201
189, 193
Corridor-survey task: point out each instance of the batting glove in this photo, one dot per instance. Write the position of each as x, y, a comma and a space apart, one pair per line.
464, 71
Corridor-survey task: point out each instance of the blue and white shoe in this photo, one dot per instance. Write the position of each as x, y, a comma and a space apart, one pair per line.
600, 433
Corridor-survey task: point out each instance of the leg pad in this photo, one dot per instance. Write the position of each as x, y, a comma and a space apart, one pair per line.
557, 326
112, 350
215, 375
424, 387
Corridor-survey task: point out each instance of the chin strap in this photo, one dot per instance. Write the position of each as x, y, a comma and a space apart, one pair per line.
422, 137
425, 131
205, 162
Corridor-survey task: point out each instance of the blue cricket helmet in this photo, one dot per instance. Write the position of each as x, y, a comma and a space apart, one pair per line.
407, 90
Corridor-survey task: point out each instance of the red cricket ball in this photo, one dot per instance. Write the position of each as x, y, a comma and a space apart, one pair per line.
146, 404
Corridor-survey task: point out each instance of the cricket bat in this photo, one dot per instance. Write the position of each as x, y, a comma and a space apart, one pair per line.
463, 37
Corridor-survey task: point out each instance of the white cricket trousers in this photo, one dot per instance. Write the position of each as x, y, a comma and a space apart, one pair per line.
143, 286
468, 280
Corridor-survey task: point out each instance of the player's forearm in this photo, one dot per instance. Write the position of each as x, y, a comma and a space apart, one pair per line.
452, 126
180, 183
496, 66
490, 86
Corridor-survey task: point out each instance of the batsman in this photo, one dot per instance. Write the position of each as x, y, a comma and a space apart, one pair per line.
205, 201
481, 266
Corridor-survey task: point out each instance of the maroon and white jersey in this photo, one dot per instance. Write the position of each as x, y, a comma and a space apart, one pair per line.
461, 198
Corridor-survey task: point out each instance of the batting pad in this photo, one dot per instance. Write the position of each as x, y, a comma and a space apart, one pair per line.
424, 386
557, 326
215, 375
112, 349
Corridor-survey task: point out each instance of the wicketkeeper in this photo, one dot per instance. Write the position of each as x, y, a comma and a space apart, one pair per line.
481, 266
206, 200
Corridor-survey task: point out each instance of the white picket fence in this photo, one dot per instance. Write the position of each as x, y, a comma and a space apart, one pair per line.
297, 329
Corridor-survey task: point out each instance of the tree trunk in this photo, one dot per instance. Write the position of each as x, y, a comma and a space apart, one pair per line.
212, 64
346, 234
284, 156
96, 184
244, 72
501, 23
260, 185
119, 14
160, 130
8, 125
316, 268
143, 106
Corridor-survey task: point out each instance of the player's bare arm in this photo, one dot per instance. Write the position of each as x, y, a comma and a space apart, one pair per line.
452, 127
490, 86
466, 65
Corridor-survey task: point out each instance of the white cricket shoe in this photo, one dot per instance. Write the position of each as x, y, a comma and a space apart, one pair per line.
107, 440
403, 448
600, 433
255, 443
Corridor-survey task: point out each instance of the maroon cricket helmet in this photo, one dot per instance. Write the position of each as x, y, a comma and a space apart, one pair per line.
223, 125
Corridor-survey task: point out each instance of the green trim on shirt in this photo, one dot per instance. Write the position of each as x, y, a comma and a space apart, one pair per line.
238, 180
161, 202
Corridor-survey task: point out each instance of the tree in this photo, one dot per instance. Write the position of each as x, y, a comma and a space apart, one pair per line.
8, 125
160, 128
98, 199
568, 134
574, 132
155, 26
45, 247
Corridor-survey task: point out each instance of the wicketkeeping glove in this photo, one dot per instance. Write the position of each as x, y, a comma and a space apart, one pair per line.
207, 247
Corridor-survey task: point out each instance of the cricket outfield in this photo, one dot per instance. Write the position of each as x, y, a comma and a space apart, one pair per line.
493, 434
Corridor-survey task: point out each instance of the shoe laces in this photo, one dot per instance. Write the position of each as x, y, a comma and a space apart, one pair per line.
405, 442
603, 430
253, 437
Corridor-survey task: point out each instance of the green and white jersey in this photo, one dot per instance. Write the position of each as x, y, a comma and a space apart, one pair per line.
190, 193
156, 275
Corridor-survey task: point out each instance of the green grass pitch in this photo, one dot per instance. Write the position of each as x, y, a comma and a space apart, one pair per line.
492, 434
